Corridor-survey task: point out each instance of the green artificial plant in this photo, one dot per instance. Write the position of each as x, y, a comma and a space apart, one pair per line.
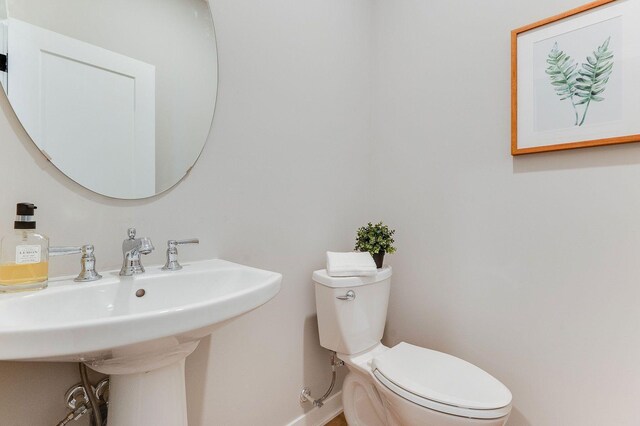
375, 239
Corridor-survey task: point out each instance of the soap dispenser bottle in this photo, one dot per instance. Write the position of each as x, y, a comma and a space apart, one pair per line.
24, 255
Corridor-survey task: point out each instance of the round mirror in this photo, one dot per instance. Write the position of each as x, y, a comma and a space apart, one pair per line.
118, 94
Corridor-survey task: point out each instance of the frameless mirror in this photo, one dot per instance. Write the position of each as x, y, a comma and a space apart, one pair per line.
118, 94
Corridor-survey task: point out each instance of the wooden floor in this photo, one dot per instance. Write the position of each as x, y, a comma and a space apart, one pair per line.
338, 421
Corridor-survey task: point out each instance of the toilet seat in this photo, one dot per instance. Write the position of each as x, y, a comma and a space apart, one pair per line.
441, 382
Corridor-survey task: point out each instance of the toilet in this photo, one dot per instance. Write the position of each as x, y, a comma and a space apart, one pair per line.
405, 385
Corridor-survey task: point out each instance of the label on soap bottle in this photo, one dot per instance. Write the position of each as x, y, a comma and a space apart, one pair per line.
27, 254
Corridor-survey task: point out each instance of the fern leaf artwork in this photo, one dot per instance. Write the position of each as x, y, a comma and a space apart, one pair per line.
581, 85
563, 75
594, 76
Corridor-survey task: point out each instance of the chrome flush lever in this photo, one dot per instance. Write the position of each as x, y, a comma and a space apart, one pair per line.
172, 253
351, 295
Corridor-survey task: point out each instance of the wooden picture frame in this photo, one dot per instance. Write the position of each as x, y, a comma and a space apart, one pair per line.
571, 84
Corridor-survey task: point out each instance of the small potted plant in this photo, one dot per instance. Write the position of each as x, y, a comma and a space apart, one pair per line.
376, 239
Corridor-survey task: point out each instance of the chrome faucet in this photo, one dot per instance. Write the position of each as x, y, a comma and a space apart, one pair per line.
132, 248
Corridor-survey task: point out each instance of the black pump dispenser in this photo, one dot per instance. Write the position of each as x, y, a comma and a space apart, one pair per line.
25, 218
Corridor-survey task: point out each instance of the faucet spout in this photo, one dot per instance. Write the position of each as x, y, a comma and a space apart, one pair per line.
145, 246
132, 248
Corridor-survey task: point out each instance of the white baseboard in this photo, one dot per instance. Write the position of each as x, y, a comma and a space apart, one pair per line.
319, 416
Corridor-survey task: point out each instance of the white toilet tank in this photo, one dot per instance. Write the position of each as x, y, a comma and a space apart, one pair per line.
352, 326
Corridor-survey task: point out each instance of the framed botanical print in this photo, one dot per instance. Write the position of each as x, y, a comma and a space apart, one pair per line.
575, 79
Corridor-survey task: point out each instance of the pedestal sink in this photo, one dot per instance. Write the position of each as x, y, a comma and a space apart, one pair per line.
137, 329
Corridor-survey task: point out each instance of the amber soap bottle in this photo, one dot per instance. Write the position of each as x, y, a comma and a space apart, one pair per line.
24, 255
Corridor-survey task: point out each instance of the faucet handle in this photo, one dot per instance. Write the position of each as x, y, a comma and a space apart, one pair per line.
132, 233
172, 253
174, 243
64, 250
87, 262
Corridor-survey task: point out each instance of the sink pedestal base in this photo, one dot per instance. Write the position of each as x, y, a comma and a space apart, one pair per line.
146, 384
157, 397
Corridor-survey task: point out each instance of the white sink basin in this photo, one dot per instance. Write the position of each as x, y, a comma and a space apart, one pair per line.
111, 329
78, 322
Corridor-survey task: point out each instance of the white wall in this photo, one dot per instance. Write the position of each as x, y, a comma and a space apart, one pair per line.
281, 180
527, 267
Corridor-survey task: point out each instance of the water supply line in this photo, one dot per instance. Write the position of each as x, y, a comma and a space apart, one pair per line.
78, 400
305, 395
95, 409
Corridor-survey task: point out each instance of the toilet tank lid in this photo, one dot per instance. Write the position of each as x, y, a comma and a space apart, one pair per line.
321, 277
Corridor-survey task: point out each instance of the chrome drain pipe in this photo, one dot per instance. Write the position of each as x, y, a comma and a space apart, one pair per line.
305, 395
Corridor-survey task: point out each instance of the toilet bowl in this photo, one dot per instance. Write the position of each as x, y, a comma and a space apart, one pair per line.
405, 385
